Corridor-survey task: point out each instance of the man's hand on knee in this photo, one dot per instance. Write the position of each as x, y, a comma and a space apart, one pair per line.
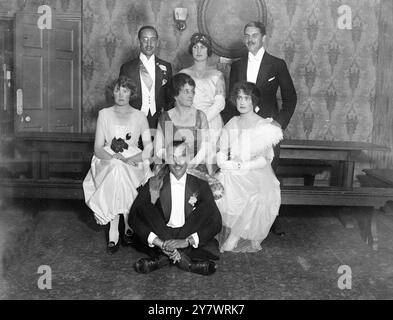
176, 244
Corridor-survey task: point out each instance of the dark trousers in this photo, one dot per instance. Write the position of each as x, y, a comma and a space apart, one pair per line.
149, 217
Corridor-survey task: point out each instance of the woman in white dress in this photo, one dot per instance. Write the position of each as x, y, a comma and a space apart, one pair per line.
209, 90
118, 166
252, 197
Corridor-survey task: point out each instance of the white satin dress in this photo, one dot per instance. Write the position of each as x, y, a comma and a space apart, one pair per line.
252, 197
110, 185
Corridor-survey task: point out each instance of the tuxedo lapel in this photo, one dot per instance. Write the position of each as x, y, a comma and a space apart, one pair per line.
191, 190
138, 84
188, 193
264, 70
166, 198
243, 69
158, 78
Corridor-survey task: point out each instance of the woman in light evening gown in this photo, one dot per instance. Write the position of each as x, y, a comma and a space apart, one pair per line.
118, 166
252, 197
209, 90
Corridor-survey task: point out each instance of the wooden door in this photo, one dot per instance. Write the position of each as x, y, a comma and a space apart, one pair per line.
48, 75
6, 65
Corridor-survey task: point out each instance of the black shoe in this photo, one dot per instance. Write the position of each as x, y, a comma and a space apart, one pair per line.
277, 230
204, 267
128, 238
112, 247
147, 265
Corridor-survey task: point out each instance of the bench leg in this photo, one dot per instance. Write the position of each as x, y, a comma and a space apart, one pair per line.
368, 226
345, 218
309, 180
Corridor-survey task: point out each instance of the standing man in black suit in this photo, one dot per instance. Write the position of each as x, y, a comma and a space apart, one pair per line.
269, 73
150, 75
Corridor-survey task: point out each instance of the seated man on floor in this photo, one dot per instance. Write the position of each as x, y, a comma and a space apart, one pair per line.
176, 218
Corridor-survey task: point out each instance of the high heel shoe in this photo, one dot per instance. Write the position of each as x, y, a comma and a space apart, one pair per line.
112, 247
230, 243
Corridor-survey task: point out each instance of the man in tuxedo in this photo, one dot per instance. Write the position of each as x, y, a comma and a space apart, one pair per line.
150, 75
176, 218
268, 73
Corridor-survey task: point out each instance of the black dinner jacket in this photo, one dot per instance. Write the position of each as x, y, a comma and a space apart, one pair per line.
275, 70
194, 186
131, 70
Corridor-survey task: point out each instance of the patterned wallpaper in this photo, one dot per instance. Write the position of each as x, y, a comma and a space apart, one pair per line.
334, 71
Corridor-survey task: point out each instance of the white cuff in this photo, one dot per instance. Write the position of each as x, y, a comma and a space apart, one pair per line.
196, 240
151, 238
221, 158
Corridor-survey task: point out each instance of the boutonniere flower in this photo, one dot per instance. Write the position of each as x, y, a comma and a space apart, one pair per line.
193, 199
164, 81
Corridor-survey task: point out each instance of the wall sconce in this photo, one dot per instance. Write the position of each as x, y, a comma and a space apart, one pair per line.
180, 16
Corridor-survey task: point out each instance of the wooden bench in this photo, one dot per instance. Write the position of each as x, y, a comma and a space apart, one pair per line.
298, 168
380, 177
43, 186
369, 198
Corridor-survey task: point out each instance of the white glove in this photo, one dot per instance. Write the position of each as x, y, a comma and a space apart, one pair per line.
230, 165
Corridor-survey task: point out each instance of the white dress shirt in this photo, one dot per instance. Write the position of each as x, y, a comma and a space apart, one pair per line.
148, 96
177, 218
178, 190
253, 65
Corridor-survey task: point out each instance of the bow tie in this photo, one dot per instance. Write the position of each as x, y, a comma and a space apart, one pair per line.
181, 182
253, 58
178, 182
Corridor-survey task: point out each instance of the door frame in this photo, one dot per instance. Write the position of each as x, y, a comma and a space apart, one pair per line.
10, 97
72, 17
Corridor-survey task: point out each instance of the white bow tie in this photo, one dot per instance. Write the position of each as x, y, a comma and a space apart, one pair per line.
178, 183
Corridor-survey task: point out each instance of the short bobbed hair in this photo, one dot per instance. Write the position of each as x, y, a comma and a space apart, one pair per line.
125, 82
177, 82
249, 89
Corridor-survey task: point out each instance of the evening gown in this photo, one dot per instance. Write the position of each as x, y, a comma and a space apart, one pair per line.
192, 137
210, 98
252, 197
110, 186
190, 134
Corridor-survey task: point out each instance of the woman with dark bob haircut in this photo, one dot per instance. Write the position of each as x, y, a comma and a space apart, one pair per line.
118, 166
252, 192
209, 90
249, 89
125, 82
182, 122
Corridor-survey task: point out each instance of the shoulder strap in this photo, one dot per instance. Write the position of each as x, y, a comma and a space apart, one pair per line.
198, 119
164, 117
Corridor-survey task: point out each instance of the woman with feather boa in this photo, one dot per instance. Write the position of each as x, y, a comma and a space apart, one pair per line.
252, 199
